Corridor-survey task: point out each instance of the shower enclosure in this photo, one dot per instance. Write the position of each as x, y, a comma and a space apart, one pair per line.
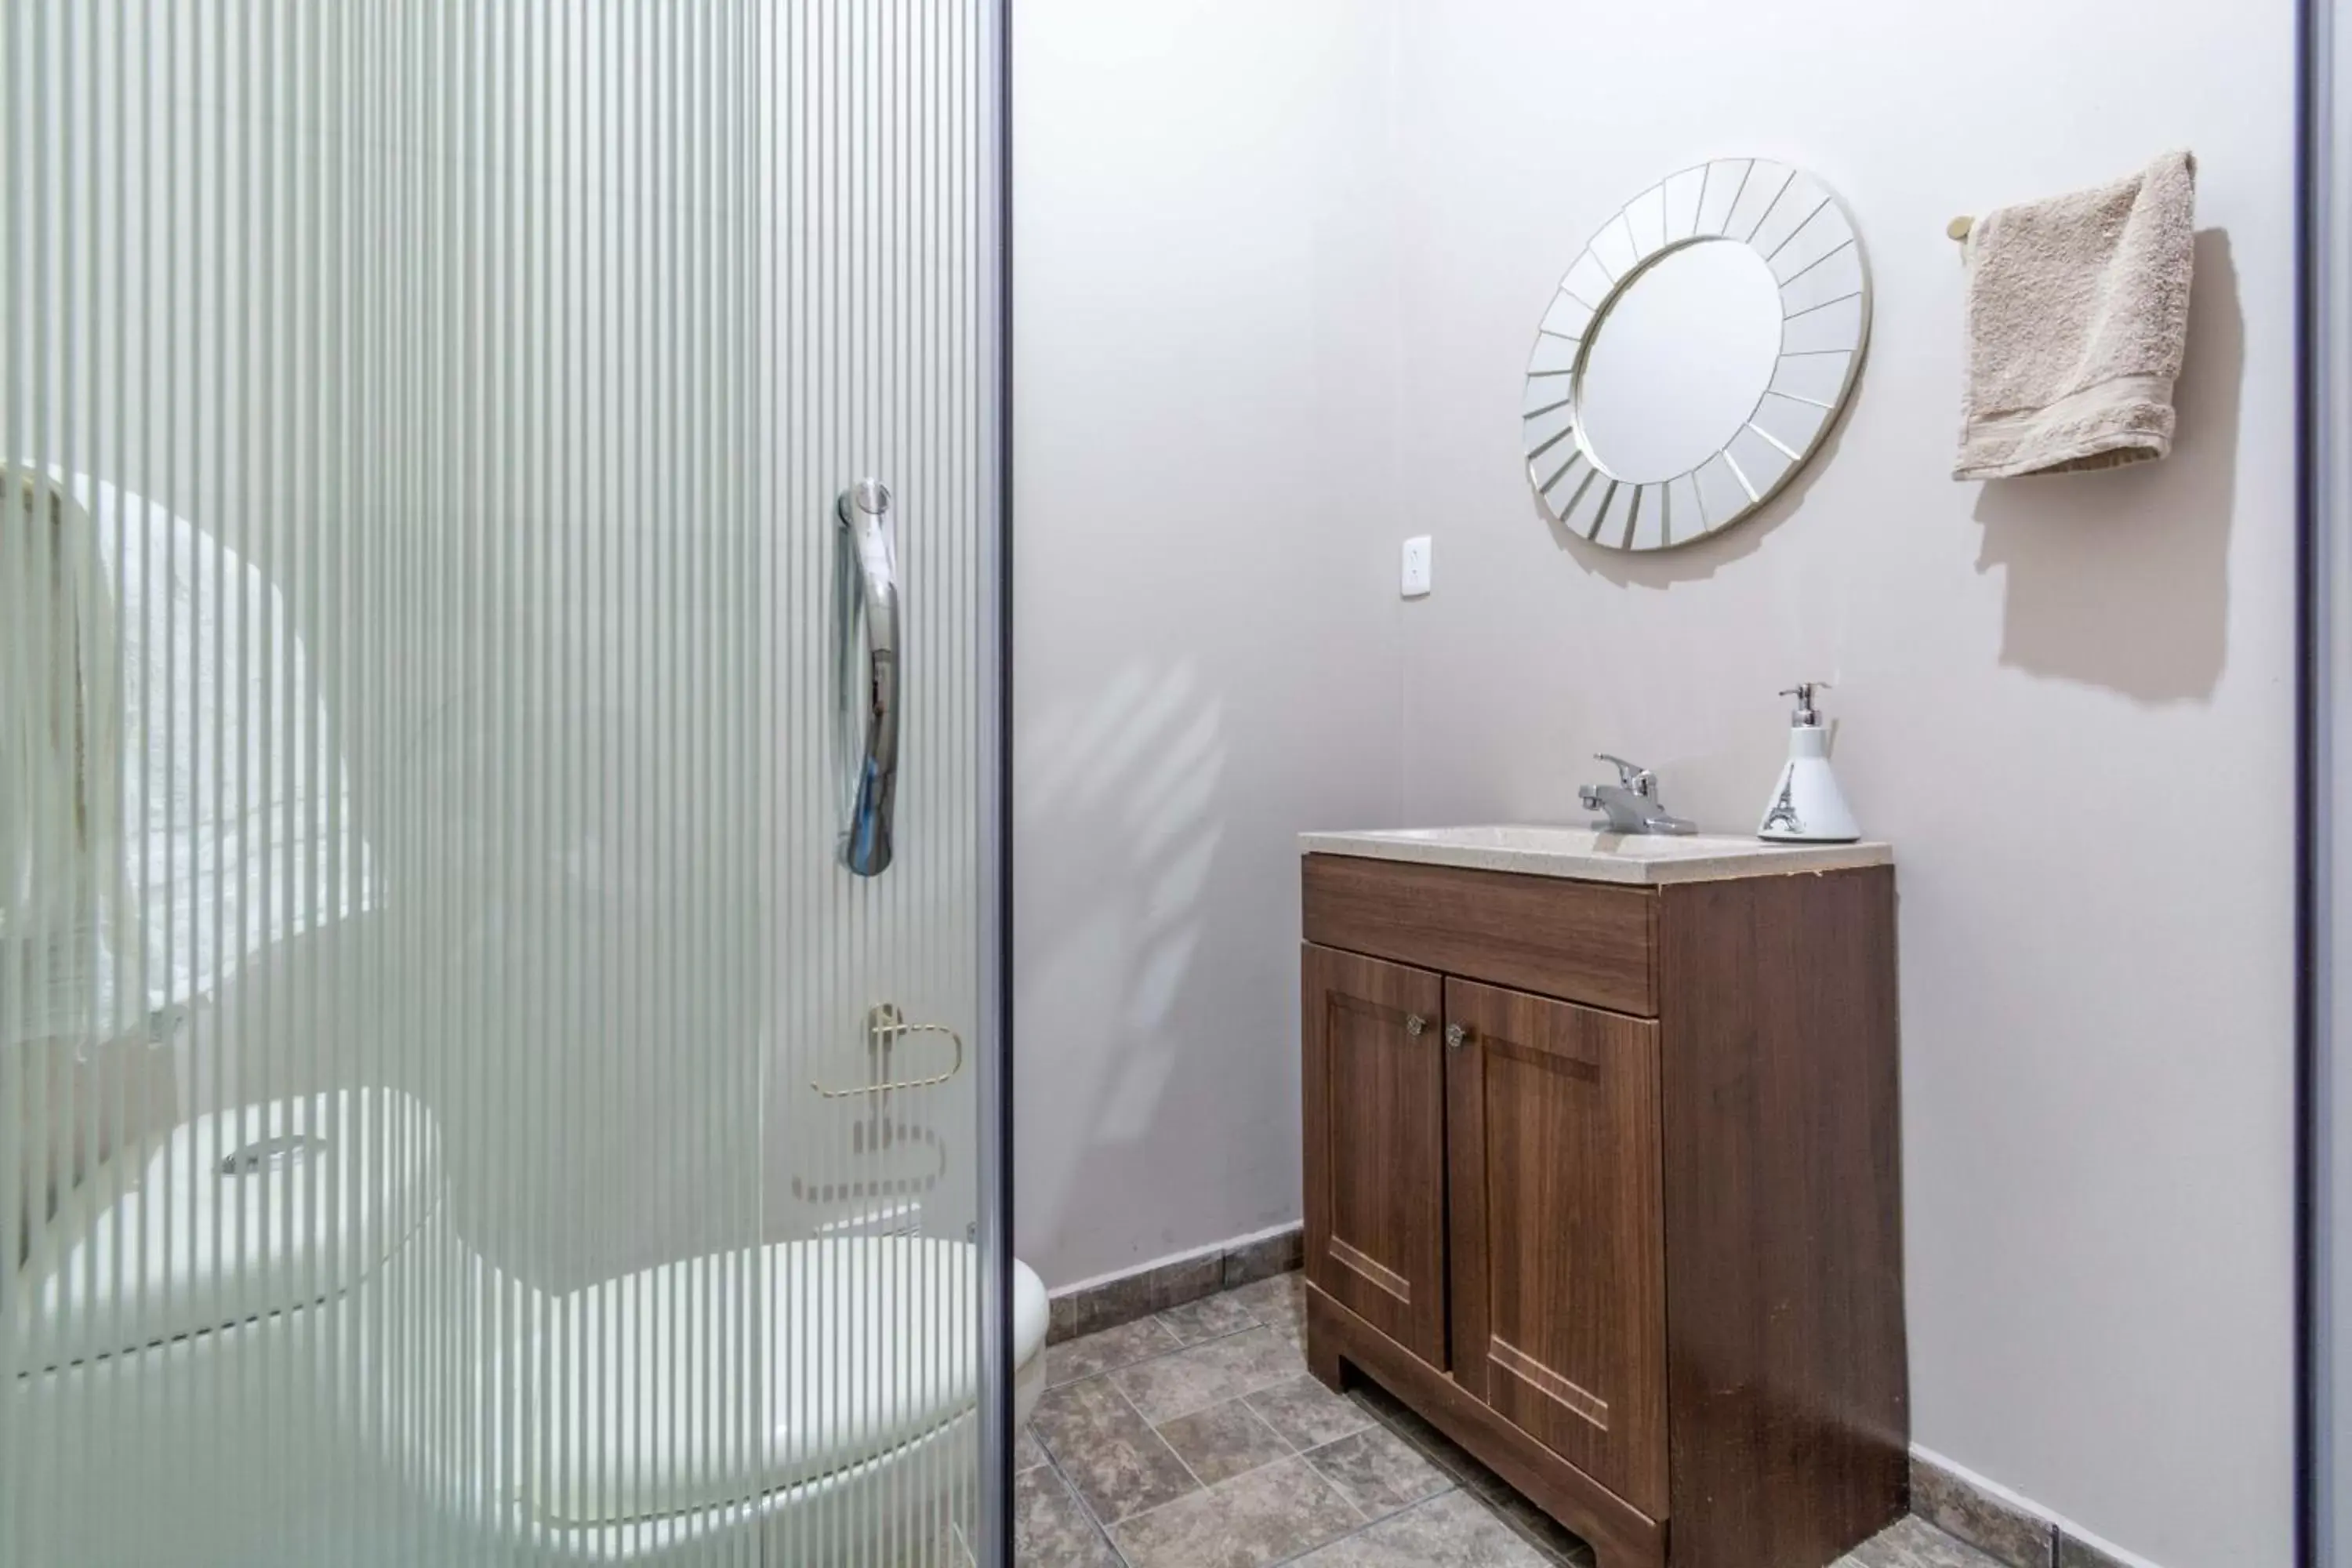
498, 740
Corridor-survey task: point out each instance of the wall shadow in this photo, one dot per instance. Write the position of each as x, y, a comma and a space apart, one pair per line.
2119, 578
1118, 838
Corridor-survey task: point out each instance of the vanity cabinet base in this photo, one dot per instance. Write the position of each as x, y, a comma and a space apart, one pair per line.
1610, 1192
1341, 1347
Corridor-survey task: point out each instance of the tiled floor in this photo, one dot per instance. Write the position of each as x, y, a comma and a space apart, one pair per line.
1197, 1439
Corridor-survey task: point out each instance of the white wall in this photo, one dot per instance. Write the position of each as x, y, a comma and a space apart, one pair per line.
1205, 656
1278, 281
2067, 702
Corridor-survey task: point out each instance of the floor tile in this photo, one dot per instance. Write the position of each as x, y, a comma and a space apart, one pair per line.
1220, 1442
1434, 1446
1377, 1472
1913, 1542
1374, 1398
1451, 1530
1119, 1465
1308, 1414
1050, 1530
1206, 1375
1026, 1451
1098, 1353
1282, 1299
1264, 1517
1555, 1541
1473, 1475
1210, 1318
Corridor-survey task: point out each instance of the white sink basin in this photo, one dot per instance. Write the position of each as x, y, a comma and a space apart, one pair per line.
1593, 856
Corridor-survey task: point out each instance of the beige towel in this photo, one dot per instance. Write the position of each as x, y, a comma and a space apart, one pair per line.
2078, 309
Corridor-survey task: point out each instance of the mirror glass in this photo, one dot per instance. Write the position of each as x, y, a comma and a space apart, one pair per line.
1680, 361
1696, 354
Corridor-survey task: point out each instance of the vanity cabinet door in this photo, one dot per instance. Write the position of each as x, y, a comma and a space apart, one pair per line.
1374, 1086
1558, 1230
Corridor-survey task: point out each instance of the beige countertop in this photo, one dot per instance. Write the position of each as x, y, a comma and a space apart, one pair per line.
1583, 855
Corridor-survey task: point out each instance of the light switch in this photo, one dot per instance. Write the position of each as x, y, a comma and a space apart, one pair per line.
1415, 578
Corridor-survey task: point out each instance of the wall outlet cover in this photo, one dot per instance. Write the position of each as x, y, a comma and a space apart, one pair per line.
1415, 580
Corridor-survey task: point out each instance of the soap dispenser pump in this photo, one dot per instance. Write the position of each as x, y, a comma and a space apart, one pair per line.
1807, 806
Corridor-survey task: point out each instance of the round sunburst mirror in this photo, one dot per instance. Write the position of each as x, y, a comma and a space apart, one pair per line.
1698, 353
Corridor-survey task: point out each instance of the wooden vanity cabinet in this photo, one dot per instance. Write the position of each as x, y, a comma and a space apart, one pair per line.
1603, 1180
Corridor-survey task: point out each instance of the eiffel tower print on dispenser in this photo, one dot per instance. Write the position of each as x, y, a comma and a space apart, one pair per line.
1807, 806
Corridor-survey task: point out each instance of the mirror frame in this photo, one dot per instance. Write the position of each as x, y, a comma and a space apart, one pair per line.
1808, 241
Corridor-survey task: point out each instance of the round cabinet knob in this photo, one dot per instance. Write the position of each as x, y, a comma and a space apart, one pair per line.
1455, 1034
1414, 1024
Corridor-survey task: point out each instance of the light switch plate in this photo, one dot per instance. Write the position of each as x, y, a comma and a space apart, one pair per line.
1415, 580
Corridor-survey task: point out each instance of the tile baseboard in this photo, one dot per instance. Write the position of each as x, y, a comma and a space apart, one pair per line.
1263, 1256
2008, 1529
1107, 1303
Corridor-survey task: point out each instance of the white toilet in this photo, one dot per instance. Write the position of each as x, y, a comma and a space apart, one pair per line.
444, 1412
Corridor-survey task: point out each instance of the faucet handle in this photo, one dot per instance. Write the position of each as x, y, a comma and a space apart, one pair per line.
1631, 776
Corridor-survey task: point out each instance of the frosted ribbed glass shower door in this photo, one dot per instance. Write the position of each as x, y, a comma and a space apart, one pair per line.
496, 720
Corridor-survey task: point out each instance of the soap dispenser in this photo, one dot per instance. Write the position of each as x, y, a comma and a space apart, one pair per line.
1807, 806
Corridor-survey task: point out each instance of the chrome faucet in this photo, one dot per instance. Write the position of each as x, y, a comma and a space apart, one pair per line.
1632, 804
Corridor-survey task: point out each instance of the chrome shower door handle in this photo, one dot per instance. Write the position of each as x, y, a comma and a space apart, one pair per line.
866, 608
